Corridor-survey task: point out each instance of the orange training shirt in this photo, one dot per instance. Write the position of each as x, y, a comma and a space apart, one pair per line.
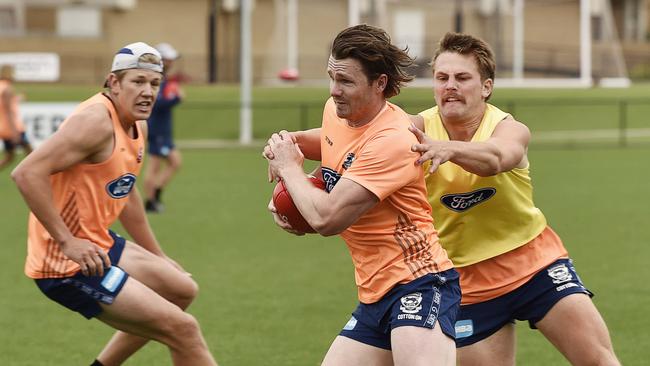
89, 198
395, 241
5, 125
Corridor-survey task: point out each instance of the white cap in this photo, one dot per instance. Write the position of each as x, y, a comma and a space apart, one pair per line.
128, 58
167, 51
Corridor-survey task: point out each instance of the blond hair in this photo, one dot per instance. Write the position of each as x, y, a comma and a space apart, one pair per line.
147, 58
7, 72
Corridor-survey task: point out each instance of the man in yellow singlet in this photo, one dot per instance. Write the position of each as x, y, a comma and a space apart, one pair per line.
80, 181
512, 265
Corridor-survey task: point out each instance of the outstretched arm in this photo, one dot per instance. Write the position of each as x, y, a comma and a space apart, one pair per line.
503, 151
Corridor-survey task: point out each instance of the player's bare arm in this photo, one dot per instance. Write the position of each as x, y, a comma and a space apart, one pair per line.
504, 151
85, 138
284, 225
309, 143
329, 214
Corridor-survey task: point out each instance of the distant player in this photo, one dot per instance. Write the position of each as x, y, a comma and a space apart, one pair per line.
12, 130
407, 287
164, 157
77, 184
512, 265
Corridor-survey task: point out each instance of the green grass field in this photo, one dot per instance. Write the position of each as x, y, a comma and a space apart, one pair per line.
268, 298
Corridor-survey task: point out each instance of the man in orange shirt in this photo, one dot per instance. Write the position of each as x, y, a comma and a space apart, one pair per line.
77, 184
12, 131
512, 265
376, 200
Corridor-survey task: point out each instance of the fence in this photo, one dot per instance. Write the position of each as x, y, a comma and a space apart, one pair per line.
563, 122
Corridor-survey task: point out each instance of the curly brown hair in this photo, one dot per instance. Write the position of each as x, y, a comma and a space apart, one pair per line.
371, 46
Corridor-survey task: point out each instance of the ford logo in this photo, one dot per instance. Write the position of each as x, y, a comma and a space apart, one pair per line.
121, 187
460, 202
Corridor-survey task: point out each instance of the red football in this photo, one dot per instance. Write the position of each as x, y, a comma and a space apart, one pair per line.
288, 210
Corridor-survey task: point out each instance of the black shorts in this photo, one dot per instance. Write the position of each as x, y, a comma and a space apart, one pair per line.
530, 302
83, 294
10, 146
432, 298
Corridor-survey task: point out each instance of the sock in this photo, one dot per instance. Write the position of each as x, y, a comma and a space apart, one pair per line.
96, 363
149, 205
157, 194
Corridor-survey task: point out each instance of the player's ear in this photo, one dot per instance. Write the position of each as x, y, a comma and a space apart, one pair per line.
112, 83
486, 89
381, 82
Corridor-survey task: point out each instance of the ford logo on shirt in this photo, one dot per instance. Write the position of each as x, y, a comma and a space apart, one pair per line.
120, 187
460, 202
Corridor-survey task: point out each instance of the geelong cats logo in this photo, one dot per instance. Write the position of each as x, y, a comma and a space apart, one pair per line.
120, 187
460, 202
330, 177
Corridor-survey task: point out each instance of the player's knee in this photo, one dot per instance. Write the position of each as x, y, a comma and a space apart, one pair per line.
185, 329
175, 164
185, 293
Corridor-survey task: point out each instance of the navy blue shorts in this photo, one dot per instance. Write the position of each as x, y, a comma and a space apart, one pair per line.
529, 302
160, 145
82, 293
10, 146
419, 303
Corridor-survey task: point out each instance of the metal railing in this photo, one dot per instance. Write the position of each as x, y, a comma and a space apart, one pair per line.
564, 122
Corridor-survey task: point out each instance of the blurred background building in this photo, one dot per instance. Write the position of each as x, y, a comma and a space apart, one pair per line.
80, 36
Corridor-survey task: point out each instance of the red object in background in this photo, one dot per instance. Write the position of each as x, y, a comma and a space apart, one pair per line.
287, 209
180, 78
171, 89
289, 74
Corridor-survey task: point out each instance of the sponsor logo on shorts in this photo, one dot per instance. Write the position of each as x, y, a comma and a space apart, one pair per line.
121, 187
350, 324
560, 273
566, 286
165, 150
436, 296
431, 319
410, 306
411, 303
113, 279
433, 312
464, 328
460, 202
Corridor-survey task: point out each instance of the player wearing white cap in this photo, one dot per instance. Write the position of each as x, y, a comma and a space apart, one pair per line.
77, 183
